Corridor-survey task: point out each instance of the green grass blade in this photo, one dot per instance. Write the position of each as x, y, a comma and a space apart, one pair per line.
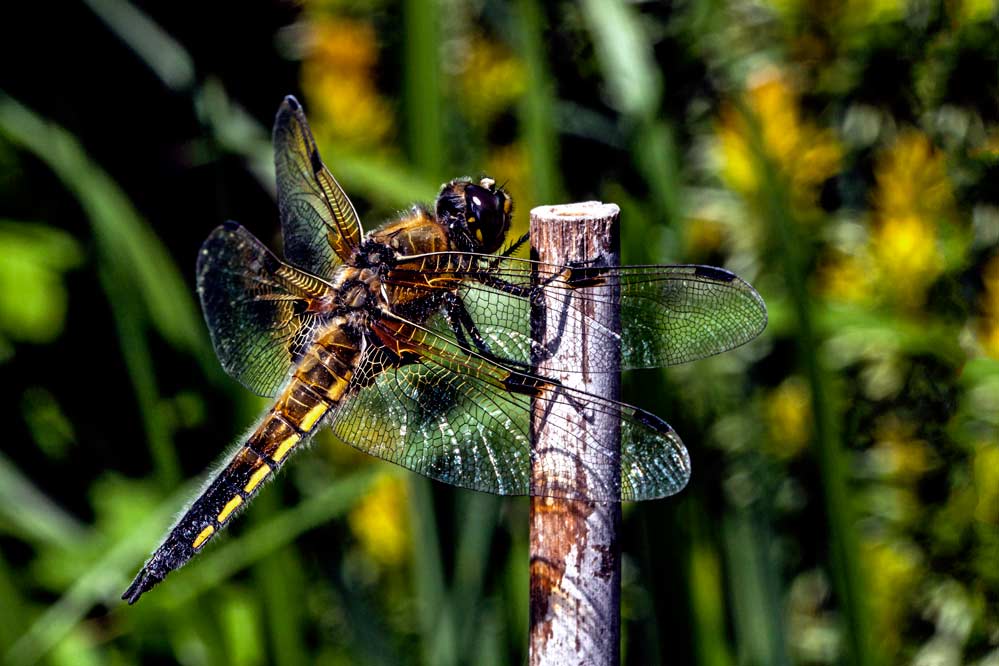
29, 512
756, 611
107, 578
422, 86
477, 517
848, 577
279, 576
435, 616
160, 51
102, 583
122, 235
12, 615
706, 592
537, 109
635, 85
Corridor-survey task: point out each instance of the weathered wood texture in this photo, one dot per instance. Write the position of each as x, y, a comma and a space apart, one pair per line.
575, 554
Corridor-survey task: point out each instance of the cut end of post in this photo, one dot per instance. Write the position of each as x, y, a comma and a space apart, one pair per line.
582, 210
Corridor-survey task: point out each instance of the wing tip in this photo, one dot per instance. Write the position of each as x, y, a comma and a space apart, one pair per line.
292, 103
715, 273
723, 275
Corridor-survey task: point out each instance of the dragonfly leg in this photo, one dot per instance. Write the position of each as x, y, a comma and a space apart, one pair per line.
461, 322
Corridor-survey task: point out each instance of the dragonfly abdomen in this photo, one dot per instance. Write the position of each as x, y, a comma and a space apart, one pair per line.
318, 384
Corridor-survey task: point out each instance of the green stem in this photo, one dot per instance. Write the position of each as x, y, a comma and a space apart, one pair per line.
422, 86
434, 613
844, 556
537, 110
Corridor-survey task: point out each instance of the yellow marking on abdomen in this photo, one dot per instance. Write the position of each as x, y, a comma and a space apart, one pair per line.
230, 506
257, 477
313, 415
285, 447
203, 536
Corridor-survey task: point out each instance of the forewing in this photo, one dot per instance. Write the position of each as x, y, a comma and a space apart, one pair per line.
256, 308
669, 314
460, 418
318, 221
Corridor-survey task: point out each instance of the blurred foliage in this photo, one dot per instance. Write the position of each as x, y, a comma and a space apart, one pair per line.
843, 157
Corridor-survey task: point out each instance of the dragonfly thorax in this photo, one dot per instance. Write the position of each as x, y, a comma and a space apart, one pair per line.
362, 288
374, 255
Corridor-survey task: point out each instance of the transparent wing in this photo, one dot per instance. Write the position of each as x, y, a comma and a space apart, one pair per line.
669, 314
256, 307
462, 419
318, 221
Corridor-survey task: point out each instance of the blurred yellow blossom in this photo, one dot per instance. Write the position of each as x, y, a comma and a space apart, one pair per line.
989, 146
988, 334
912, 178
986, 470
703, 236
859, 14
899, 452
912, 196
972, 11
490, 80
338, 78
805, 153
845, 277
894, 569
908, 257
380, 523
789, 417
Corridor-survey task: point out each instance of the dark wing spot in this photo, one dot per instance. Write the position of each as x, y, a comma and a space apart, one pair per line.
586, 276
651, 421
317, 163
713, 273
527, 385
292, 103
230, 225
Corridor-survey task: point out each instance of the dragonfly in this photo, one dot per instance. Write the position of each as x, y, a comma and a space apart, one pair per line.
413, 343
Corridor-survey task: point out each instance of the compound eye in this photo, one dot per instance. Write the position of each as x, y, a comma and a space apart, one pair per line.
487, 214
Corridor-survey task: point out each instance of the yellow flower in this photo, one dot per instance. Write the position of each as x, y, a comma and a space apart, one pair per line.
988, 334
703, 236
490, 80
337, 76
379, 521
845, 277
806, 154
912, 178
901, 454
972, 11
789, 416
893, 569
908, 258
913, 194
989, 146
738, 165
861, 14
986, 470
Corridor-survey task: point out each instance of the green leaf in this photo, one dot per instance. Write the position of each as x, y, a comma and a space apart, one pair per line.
33, 298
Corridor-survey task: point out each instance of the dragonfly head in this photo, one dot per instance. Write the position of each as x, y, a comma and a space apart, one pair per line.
478, 213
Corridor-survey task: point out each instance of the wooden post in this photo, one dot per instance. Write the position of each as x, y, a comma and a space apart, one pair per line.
575, 554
